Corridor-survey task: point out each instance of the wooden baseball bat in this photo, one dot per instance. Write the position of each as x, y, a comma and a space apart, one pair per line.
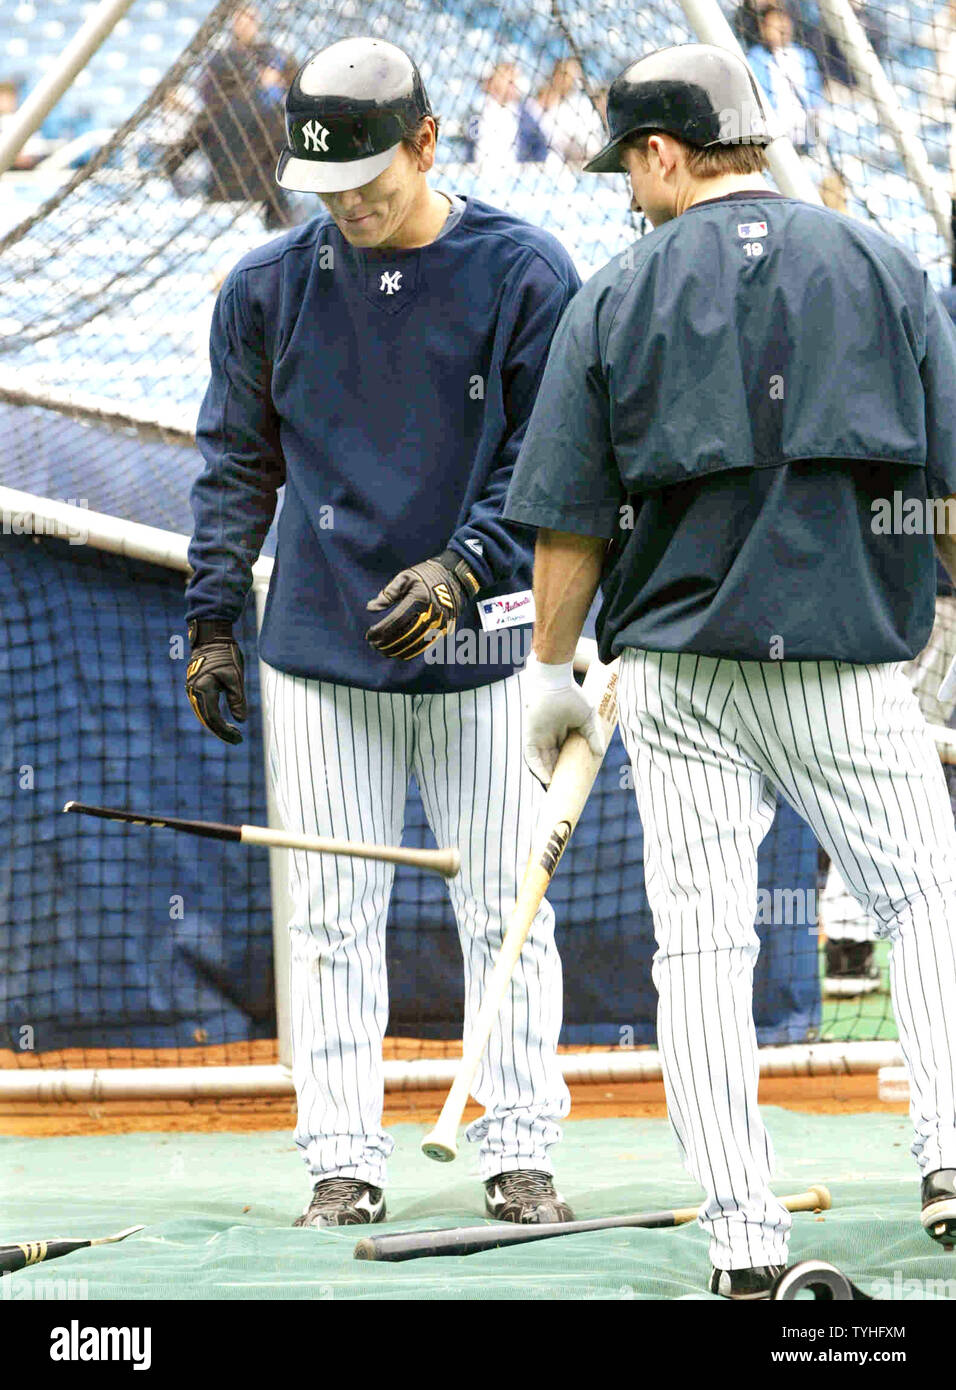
945, 742
469, 1240
32, 1252
571, 784
440, 861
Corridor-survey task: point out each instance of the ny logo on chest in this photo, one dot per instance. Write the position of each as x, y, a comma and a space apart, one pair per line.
391, 283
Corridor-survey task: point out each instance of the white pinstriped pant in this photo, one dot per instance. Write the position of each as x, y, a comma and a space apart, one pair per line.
341, 759
710, 742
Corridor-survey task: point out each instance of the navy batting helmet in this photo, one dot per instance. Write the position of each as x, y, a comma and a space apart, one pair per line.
346, 113
702, 94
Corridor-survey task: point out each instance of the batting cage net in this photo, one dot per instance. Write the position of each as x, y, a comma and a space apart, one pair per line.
125, 946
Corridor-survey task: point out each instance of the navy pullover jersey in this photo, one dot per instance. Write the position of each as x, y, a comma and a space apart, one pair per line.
754, 405
389, 392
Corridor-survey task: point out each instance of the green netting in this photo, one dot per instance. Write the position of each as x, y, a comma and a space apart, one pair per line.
217, 1210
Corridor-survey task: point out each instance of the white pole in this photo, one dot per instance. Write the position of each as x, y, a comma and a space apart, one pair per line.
50, 88
710, 26
851, 36
424, 1074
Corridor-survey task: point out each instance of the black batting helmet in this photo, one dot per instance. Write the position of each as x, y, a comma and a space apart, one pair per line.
346, 113
702, 94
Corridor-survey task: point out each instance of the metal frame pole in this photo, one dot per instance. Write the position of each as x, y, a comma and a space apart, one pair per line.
54, 83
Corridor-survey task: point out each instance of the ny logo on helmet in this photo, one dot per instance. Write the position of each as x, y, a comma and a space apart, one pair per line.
391, 284
316, 136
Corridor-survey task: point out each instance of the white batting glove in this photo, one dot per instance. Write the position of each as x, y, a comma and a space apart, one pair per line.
947, 691
553, 706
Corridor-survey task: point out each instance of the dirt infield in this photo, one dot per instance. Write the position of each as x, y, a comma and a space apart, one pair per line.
824, 1095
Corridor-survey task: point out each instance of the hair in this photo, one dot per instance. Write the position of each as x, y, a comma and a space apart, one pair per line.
709, 162
413, 139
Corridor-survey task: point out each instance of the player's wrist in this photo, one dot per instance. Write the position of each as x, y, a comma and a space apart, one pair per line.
458, 566
551, 676
204, 630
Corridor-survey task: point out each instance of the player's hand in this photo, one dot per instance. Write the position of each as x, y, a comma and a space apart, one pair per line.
216, 668
426, 601
554, 705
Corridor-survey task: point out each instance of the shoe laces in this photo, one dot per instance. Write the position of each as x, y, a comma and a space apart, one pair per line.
526, 1184
332, 1192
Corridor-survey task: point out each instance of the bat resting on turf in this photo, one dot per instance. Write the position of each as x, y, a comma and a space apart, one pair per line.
33, 1252
470, 1240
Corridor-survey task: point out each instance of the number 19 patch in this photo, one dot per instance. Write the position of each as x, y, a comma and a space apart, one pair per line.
749, 230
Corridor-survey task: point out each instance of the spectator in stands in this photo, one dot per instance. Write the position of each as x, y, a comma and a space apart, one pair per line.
9, 101
811, 32
566, 115
240, 127
790, 77
39, 144
746, 22
494, 128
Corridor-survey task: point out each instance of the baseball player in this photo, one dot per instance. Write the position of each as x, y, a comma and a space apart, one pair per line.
851, 969
726, 409
381, 362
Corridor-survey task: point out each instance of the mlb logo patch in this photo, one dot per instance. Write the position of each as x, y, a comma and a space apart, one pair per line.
750, 230
509, 610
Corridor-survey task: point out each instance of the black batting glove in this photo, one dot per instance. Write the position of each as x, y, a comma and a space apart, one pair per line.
428, 600
216, 668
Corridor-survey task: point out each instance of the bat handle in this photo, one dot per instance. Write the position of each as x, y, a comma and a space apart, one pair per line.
441, 1143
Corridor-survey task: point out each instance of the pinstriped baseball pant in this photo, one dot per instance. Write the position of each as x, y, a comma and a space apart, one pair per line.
711, 741
341, 760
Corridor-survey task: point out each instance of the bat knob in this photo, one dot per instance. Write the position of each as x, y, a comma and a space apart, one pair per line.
451, 866
438, 1150
365, 1249
822, 1194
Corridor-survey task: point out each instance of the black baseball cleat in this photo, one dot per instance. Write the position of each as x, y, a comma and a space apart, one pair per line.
851, 969
745, 1284
939, 1205
526, 1197
343, 1202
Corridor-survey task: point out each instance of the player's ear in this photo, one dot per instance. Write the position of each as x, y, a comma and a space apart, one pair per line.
426, 142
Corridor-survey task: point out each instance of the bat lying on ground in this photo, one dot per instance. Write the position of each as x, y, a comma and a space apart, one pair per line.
33, 1252
469, 1240
439, 861
571, 784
